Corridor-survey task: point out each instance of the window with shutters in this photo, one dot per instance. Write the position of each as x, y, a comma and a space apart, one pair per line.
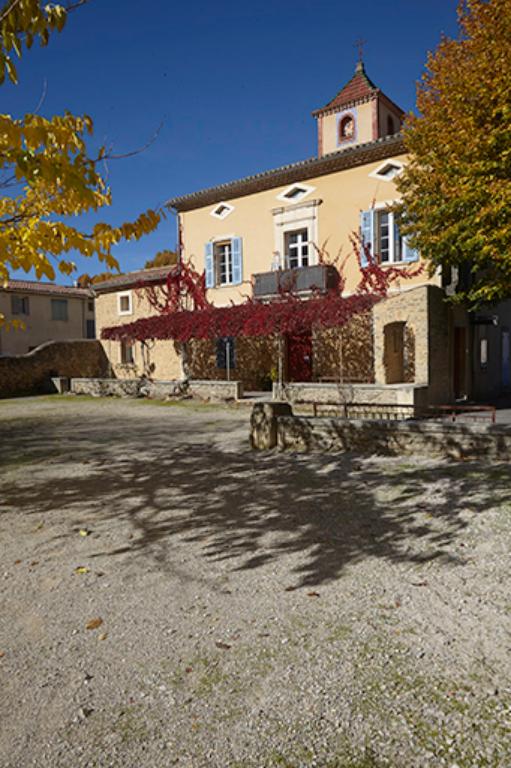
224, 262
380, 236
59, 309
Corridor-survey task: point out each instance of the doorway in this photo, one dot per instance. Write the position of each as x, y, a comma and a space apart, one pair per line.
299, 356
460, 360
394, 353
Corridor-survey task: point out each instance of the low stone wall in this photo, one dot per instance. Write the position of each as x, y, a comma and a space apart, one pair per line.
271, 428
106, 387
33, 373
353, 397
157, 390
209, 389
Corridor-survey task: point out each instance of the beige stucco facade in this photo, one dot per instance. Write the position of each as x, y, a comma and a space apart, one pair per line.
37, 317
155, 359
331, 209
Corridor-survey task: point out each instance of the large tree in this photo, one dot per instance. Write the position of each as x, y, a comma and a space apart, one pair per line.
457, 187
46, 171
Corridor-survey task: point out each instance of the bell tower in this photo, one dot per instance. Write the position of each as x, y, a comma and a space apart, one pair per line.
359, 114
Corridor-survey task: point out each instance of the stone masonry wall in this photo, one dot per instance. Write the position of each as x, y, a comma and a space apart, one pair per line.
346, 352
409, 307
32, 373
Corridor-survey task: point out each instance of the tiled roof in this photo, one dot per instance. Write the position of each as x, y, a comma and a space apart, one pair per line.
373, 151
35, 286
359, 88
141, 276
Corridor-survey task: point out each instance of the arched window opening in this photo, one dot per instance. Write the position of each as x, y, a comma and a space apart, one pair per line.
347, 128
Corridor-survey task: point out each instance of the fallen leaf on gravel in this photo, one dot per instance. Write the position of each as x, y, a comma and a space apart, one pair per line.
94, 623
17, 562
223, 646
34, 562
82, 569
289, 589
39, 526
83, 532
2, 654
188, 670
419, 583
312, 594
103, 636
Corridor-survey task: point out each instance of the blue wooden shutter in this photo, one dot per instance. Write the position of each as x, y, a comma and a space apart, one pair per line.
210, 267
237, 261
366, 234
409, 253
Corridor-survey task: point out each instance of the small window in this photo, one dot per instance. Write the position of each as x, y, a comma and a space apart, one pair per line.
387, 171
226, 353
124, 303
127, 356
222, 210
295, 192
297, 248
483, 353
346, 128
90, 306
20, 305
223, 263
390, 126
59, 309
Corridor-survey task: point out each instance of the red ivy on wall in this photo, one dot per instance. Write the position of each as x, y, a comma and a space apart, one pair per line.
184, 312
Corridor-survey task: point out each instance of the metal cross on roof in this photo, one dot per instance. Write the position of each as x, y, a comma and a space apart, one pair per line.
360, 45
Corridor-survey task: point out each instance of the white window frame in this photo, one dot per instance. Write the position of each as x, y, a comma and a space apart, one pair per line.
218, 213
217, 256
125, 345
305, 190
298, 248
123, 295
377, 173
379, 209
285, 220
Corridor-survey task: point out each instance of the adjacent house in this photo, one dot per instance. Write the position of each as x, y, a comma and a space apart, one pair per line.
297, 224
123, 299
48, 312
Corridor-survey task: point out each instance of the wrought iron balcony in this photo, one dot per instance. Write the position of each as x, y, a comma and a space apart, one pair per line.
320, 277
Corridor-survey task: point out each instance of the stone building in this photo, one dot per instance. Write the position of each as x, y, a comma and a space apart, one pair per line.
299, 222
48, 312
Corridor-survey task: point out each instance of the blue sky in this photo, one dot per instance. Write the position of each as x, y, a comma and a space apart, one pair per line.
233, 83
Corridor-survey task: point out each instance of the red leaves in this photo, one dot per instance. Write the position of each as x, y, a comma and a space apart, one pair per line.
184, 312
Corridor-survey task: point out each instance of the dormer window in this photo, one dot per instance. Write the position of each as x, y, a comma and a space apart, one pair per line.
222, 210
387, 171
295, 192
346, 128
390, 126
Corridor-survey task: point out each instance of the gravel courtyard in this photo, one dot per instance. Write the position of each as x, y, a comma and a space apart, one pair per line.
169, 597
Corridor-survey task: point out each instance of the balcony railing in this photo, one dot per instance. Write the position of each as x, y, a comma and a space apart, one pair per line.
320, 277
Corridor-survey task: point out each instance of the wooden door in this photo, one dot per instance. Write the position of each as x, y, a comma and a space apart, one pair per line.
394, 353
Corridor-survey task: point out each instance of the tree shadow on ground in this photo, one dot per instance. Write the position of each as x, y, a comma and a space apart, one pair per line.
250, 509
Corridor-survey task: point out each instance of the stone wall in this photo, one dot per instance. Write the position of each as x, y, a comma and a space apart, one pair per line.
32, 373
355, 396
256, 361
346, 351
157, 390
409, 307
272, 426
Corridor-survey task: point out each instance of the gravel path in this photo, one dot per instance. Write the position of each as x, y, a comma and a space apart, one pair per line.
252, 610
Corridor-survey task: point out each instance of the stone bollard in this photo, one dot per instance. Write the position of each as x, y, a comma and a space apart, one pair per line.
263, 424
